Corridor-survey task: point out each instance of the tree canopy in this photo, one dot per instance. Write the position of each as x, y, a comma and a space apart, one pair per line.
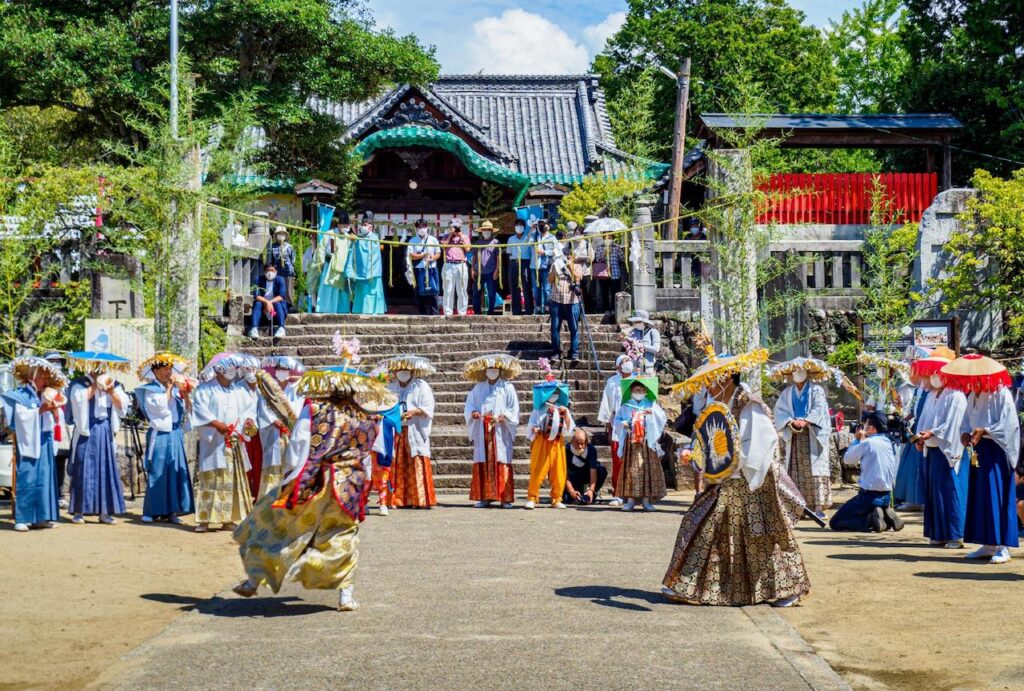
103, 61
731, 42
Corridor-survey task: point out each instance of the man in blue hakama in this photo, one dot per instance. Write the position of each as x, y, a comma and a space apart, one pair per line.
363, 270
97, 404
946, 461
991, 426
32, 411
164, 402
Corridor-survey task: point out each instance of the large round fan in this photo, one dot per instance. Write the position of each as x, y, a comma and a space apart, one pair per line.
716, 450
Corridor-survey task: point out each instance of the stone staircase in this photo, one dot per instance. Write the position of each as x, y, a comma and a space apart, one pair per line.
449, 343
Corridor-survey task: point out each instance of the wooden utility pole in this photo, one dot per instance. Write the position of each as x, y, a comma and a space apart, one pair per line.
678, 150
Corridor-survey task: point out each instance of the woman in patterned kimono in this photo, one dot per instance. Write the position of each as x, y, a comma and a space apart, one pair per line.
639, 424
735, 544
307, 529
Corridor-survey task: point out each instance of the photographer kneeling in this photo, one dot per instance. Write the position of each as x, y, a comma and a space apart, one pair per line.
585, 475
565, 306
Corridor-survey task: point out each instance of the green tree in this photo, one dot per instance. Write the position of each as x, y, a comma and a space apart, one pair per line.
967, 58
985, 261
597, 194
730, 42
870, 57
632, 114
101, 62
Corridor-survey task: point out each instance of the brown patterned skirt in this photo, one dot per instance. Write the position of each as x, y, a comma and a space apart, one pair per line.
736, 547
817, 490
411, 476
641, 476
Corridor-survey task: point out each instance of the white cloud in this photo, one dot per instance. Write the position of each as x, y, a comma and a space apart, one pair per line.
520, 42
596, 35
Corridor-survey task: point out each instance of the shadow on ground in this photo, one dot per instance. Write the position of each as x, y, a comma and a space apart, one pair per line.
611, 596
254, 607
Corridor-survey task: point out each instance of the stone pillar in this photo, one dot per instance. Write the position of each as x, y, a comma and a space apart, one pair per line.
642, 255
978, 328
118, 295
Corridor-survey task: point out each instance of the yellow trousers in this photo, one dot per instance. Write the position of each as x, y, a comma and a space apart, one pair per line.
547, 459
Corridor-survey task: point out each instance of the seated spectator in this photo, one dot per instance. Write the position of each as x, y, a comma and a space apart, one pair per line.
269, 300
869, 510
585, 475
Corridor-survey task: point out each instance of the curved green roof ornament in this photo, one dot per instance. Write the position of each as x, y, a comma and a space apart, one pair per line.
413, 135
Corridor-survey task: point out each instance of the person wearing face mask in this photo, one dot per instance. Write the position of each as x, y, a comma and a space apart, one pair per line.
546, 249
946, 461
611, 398
269, 299
333, 292
802, 419
276, 421
224, 417
520, 255
165, 401
483, 269
97, 404
735, 545
411, 472
639, 424
581, 250
869, 510
364, 269
991, 427
550, 425
492, 418
423, 253
455, 274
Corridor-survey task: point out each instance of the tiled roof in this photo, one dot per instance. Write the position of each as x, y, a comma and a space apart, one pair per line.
806, 121
550, 127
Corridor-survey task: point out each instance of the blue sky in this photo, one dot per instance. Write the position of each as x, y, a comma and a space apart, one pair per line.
510, 36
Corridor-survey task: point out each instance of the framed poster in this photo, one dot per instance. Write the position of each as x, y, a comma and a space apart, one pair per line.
130, 338
923, 333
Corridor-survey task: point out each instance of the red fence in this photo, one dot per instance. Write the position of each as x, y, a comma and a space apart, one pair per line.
845, 198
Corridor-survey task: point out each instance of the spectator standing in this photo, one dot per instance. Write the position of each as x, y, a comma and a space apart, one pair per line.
545, 251
608, 269
565, 307
582, 253
483, 269
455, 245
644, 331
520, 277
424, 252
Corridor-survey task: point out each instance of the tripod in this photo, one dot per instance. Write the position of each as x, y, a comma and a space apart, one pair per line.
577, 290
134, 450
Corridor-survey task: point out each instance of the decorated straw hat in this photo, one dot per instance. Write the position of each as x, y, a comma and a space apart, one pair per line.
163, 359
475, 370
24, 368
649, 383
816, 369
975, 374
346, 381
272, 362
889, 363
419, 366
486, 225
717, 367
927, 366
94, 361
218, 363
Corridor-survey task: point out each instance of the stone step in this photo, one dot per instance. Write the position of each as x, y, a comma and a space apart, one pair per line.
416, 319
453, 416
438, 332
446, 438
579, 397
452, 355
465, 468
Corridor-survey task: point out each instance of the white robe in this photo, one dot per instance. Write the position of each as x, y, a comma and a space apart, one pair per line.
497, 399
943, 416
565, 427
654, 426
611, 399
28, 425
273, 454
996, 413
297, 452
759, 443
817, 418
104, 409
417, 394
157, 407
229, 404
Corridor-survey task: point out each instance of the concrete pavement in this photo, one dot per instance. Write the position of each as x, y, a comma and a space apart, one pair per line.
461, 598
